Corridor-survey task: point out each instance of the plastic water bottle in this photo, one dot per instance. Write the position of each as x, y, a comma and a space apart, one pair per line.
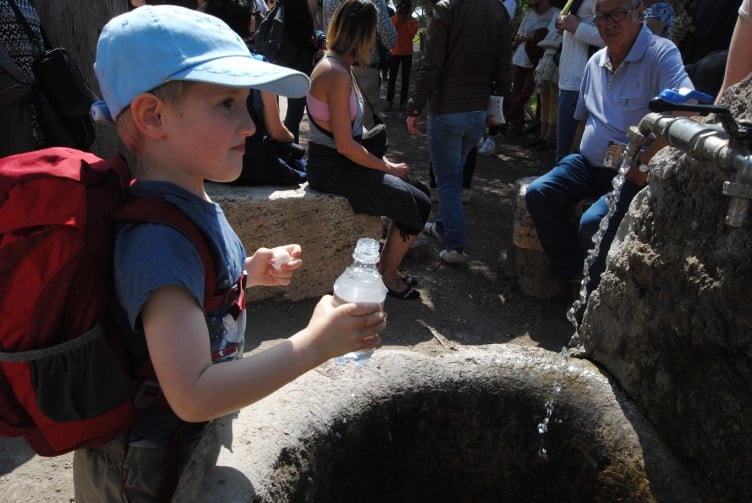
360, 282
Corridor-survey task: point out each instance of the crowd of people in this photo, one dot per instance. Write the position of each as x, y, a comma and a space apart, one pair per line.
186, 116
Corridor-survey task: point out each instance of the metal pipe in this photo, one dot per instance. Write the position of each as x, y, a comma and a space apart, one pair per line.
709, 142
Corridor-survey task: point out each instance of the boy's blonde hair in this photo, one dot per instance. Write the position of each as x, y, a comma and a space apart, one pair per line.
352, 30
171, 92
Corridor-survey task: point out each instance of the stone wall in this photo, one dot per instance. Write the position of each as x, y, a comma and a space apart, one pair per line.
672, 318
322, 224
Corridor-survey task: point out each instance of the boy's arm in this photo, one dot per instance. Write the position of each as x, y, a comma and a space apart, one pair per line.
178, 341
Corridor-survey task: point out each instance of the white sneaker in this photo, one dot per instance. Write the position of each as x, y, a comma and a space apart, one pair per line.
431, 230
454, 256
481, 142
488, 148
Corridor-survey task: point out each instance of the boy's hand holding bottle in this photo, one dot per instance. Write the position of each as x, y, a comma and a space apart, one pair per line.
337, 328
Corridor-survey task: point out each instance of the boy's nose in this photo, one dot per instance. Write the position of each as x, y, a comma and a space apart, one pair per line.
247, 127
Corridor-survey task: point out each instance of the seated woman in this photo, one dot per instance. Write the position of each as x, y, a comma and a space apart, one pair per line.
339, 164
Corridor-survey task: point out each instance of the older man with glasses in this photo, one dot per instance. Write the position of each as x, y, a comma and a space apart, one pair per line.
617, 85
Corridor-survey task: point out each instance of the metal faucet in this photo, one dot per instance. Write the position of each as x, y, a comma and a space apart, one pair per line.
726, 144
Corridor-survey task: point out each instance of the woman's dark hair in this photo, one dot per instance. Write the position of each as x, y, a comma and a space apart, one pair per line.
404, 9
236, 13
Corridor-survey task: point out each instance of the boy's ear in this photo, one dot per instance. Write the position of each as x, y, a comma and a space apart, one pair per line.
146, 111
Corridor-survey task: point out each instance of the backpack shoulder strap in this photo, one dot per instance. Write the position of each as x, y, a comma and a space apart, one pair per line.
157, 210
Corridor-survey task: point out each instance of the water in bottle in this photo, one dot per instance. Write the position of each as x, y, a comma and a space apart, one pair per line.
361, 282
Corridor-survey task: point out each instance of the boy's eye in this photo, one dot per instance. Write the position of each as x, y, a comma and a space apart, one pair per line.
228, 102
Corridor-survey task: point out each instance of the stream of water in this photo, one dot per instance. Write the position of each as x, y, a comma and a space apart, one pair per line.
574, 344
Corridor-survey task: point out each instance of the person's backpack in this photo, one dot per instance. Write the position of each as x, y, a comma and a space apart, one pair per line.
66, 378
62, 97
285, 37
270, 34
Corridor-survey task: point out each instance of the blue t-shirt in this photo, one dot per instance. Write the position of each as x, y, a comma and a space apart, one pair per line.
149, 256
611, 101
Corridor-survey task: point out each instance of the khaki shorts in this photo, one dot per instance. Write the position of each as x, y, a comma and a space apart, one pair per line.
96, 472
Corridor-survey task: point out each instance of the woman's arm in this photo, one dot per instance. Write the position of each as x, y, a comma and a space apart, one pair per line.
739, 64
336, 84
274, 126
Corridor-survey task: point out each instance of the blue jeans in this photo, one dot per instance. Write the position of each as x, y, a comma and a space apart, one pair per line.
450, 138
567, 124
549, 199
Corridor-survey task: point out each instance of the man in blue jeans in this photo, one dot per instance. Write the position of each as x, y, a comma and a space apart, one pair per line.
455, 80
618, 83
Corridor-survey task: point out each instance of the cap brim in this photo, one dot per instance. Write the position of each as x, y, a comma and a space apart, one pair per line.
233, 71
242, 71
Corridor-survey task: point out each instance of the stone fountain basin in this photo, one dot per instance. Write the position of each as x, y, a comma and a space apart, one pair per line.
460, 427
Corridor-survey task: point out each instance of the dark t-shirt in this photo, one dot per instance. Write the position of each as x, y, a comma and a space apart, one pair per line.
149, 256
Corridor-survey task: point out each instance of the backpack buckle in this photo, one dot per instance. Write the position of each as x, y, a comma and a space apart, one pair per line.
148, 393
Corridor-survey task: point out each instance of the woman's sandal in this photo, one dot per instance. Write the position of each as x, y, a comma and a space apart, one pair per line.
409, 280
408, 293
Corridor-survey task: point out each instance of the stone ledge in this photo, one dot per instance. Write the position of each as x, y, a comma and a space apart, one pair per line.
324, 225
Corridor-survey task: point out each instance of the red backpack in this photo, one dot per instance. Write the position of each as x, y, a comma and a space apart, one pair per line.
66, 380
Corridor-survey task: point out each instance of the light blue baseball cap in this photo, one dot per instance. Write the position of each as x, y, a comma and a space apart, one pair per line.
150, 45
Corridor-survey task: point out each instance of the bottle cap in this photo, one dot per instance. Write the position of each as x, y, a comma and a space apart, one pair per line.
367, 250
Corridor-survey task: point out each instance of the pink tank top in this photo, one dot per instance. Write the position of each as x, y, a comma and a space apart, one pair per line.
320, 109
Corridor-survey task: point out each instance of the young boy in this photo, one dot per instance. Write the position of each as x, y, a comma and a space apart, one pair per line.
175, 81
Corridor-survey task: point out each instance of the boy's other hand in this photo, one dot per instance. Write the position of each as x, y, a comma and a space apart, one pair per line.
273, 266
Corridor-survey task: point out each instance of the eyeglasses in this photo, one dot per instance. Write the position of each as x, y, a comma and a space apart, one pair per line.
616, 16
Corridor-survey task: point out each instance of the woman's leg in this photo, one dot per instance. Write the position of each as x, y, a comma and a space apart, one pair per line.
553, 93
394, 66
396, 246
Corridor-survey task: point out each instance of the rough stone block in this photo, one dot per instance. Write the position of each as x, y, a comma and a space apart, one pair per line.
532, 275
324, 225
524, 235
530, 265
